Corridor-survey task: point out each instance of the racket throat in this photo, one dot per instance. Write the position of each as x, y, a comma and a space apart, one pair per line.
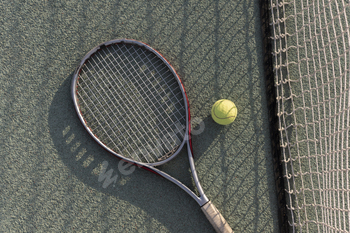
202, 199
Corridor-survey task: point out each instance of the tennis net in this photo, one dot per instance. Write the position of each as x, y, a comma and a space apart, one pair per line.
310, 53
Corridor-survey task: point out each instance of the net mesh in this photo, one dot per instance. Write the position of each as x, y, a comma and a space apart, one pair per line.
132, 102
311, 59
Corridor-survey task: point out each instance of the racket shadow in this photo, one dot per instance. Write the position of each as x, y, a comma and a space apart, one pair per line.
98, 169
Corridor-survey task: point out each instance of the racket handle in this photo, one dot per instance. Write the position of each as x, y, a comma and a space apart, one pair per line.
215, 218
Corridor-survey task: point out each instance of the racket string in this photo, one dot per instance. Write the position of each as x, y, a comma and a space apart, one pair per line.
140, 110
131, 117
146, 109
100, 128
98, 125
95, 118
169, 76
155, 99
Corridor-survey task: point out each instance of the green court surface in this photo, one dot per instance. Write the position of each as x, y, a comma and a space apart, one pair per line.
50, 168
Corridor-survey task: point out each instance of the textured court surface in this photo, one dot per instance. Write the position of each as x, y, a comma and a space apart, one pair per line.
49, 166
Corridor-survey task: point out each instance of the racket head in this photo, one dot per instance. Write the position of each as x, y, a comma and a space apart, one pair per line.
132, 102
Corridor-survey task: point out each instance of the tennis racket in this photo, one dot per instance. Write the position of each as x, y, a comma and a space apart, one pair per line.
132, 102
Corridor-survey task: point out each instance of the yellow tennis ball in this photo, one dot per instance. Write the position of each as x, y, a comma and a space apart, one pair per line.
224, 112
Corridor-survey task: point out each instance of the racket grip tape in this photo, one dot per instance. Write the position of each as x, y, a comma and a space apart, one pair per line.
215, 218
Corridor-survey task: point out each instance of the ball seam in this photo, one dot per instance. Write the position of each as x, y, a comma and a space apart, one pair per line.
220, 117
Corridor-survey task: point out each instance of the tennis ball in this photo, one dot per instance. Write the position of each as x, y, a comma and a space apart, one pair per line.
224, 112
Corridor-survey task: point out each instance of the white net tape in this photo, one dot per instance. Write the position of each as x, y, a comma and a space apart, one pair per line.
311, 52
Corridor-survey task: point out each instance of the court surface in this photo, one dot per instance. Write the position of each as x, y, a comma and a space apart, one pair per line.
55, 178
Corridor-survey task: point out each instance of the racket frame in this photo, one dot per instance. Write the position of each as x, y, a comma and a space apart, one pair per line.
202, 198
